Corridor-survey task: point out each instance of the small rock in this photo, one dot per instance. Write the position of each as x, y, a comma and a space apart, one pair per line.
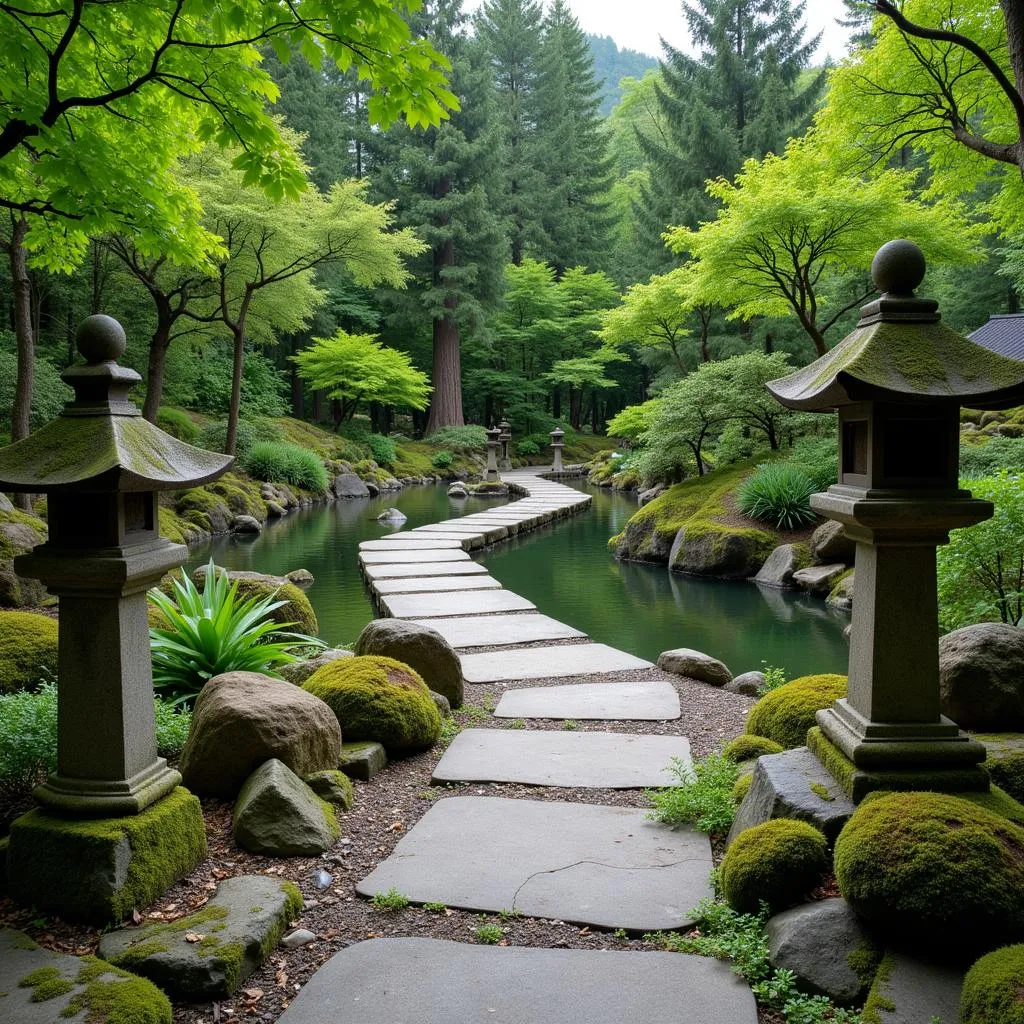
696, 665
749, 684
830, 544
275, 511
372, 488
392, 515
348, 485
297, 938
819, 579
841, 597
441, 703
322, 879
334, 786
981, 677
246, 524
778, 570
299, 671
646, 497
300, 577
5, 503
362, 760
457, 490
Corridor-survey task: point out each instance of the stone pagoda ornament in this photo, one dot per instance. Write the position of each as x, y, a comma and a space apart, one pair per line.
557, 444
898, 382
505, 437
493, 444
101, 467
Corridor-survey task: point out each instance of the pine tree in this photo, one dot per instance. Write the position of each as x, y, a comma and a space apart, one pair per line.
572, 146
858, 19
511, 32
442, 178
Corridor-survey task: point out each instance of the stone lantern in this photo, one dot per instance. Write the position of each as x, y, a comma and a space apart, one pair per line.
504, 437
101, 466
557, 444
493, 444
898, 382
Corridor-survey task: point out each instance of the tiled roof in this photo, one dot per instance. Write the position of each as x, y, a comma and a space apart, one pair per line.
1004, 333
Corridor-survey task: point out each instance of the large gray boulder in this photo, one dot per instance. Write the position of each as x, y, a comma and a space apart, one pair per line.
239, 928
785, 560
912, 990
246, 524
19, 533
719, 551
695, 665
830, 544
981, 677
423, 649
278, 814
821, 943
646, 497
348, 485
299, 671
242, 719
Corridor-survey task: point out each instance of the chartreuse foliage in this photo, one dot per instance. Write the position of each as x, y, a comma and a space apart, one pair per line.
286, 464
787, 712
778, 493
994, 988
746, 747
28, 650
148, 82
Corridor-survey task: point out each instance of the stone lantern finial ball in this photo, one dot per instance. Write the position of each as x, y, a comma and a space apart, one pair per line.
100, 339
898, 267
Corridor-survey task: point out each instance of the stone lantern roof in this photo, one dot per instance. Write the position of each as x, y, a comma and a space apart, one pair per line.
900, 352
100, 441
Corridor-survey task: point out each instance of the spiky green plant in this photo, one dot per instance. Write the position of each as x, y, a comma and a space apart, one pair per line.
213, 631
778, 493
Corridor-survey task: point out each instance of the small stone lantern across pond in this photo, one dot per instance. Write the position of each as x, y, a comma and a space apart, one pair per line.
557, 444
505, 437
898, 382
101, 466
493, 444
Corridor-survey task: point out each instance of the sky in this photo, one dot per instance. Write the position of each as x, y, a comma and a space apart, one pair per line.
637, 24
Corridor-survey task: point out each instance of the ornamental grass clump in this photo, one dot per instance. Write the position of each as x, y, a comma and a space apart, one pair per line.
459, 439
703, 797
215, 631
778, 493
285, 463
785, 714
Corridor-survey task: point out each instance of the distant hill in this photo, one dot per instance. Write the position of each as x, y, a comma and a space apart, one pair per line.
613, 64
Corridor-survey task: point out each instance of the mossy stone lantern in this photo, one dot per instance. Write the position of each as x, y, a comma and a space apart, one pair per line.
101, 466
557, 444
505, 437
898, 382
493, 444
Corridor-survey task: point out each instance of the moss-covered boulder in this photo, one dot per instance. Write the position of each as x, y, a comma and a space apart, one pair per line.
747, 747
741, 787
934, 867
333, 786
785, 714
1005, 762
776, 863
376, 698
19, 533
28, 650
994, 989
719, 550
296, 610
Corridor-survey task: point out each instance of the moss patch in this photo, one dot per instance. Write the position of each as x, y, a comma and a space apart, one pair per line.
994, 989
786, 714
113, 996
741, 787
296, 610
864, 962
28, 650
46, 983
821, 792
877, 1000
745, 747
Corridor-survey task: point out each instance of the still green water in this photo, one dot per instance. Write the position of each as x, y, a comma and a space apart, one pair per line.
567, 572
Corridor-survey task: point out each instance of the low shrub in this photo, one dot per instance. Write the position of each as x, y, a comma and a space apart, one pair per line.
28, 650
818, 457
178, 424
994, 989
934, 867
532, 445
442, 460
775, 863
778, 493
383, 449
990, 457
459, 439
702, 798
745, 747
785, 714
379, 699
214, 438
286, 464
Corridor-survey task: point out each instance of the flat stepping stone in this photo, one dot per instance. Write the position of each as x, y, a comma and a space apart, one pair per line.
436, 584
638, 702
404, 542
494, 630
517, 985
435, 606
397, 571
600, 760
547, 662
404, 554
604, 866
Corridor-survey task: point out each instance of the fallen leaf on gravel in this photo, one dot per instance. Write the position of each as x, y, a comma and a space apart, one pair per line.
209, 886
584, 931
281, 979
252, 995
396, 827
194, 937
170, 908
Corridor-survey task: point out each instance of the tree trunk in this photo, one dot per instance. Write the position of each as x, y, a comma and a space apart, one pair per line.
556, 402
575, 407
237, 366
446, 402
22, 289
158, 346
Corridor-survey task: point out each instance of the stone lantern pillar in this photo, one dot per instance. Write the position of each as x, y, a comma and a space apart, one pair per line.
493, 444
505, 437
557, 444
898, 382
101, 466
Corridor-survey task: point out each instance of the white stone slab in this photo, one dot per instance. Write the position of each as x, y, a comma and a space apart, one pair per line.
407, 542
548, 757
637, 702
604, 866
547, 662
436, 606
386, 572
494, 630
404, 554
435, 584
441, 982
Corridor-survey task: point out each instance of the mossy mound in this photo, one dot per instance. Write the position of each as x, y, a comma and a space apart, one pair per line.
776, 862
28, 650
994, 989
741, 787
1007, 771
379, 699
746, 747
785, 714
934, 866
297, 609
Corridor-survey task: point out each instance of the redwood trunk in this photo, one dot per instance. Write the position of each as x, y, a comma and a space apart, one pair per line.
446, 402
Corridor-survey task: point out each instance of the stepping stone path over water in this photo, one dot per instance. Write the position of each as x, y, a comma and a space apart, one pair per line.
584, 863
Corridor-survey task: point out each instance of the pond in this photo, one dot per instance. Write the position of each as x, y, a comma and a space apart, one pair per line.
567, 572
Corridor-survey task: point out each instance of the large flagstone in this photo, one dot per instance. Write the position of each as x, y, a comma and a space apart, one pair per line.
641, 701
433, 606
399, 570
547, 662
435, 584
404, 553
494, 630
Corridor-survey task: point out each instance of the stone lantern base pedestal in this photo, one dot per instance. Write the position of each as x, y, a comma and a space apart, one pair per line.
98, 870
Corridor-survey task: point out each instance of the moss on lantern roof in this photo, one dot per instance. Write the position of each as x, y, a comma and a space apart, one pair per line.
72, 450
916, 360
